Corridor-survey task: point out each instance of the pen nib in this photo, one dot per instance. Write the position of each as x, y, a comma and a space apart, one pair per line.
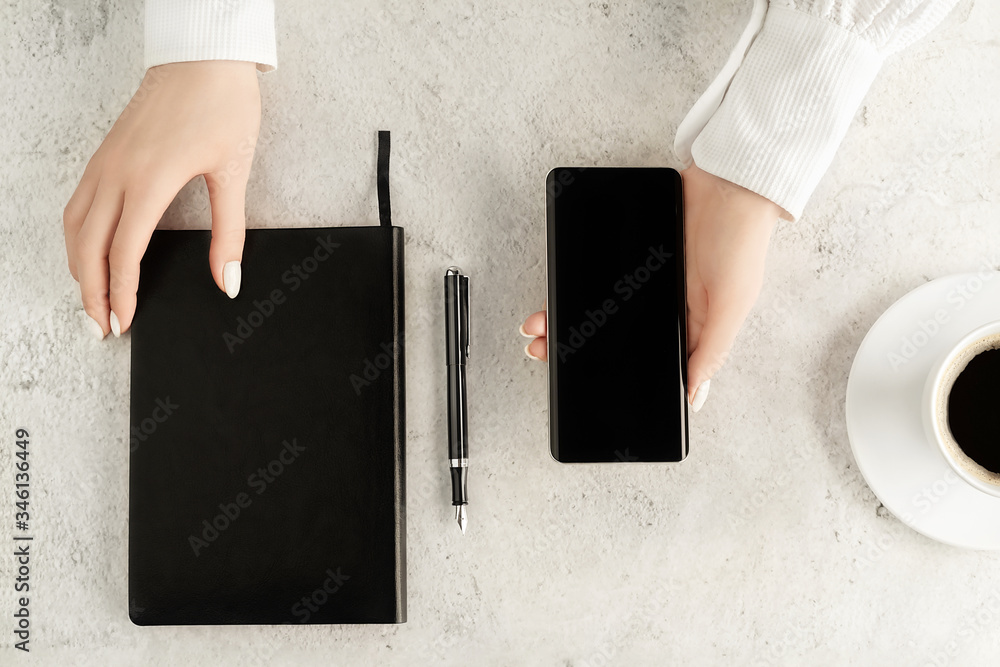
460, 517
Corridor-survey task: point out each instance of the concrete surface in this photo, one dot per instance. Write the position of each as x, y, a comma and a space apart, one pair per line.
765, 547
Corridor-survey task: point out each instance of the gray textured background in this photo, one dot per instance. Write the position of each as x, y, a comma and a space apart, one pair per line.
766, 546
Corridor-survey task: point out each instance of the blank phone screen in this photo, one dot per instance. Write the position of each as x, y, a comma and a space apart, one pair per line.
616, 315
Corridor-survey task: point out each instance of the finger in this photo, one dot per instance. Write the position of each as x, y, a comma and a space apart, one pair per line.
724, 318
695, 326
537, 349
697, 312
229, 224
144, 206
76, 212
534, 325
91, 246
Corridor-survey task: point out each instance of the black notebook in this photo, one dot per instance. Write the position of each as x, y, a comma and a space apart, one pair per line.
266, 480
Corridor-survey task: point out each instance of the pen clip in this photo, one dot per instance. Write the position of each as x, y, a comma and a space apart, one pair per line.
466, 304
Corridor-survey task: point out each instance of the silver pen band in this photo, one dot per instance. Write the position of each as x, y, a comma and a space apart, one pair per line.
459, 463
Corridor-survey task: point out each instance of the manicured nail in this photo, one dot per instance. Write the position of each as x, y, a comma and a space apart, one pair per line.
231, 278
700, 396
94, 327
116, 327
523, 332
528, 352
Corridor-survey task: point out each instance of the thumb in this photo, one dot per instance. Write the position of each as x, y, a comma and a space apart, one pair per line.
722, 322
229, 224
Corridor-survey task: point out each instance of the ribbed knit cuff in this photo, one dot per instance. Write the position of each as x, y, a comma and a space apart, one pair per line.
186, 30
788, 107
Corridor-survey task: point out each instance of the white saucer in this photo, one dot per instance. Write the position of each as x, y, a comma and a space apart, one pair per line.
902, 466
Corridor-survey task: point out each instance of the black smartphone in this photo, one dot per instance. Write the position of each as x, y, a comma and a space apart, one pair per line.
617, 315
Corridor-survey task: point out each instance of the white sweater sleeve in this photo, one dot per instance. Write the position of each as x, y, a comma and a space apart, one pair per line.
184, 30
774, 117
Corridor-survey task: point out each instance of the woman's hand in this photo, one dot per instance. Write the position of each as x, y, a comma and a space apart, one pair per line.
727, 230
187, 119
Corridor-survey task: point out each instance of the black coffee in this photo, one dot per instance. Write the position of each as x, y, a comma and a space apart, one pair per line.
974, 410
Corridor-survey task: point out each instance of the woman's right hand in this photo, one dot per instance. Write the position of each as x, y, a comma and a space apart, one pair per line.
727, 230
187, 119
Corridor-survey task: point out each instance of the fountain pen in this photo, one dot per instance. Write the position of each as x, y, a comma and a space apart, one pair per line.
457, 323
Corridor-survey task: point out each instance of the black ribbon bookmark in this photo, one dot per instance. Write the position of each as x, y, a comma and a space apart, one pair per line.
382, 171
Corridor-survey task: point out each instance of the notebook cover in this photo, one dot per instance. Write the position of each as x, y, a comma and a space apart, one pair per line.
266, 479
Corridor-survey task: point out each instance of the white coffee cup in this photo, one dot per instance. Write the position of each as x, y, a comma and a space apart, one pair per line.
934, 406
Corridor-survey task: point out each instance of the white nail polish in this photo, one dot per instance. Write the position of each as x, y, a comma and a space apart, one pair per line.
93, 327
232, 275
528, 352
523, 332
116, 327
699, 396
